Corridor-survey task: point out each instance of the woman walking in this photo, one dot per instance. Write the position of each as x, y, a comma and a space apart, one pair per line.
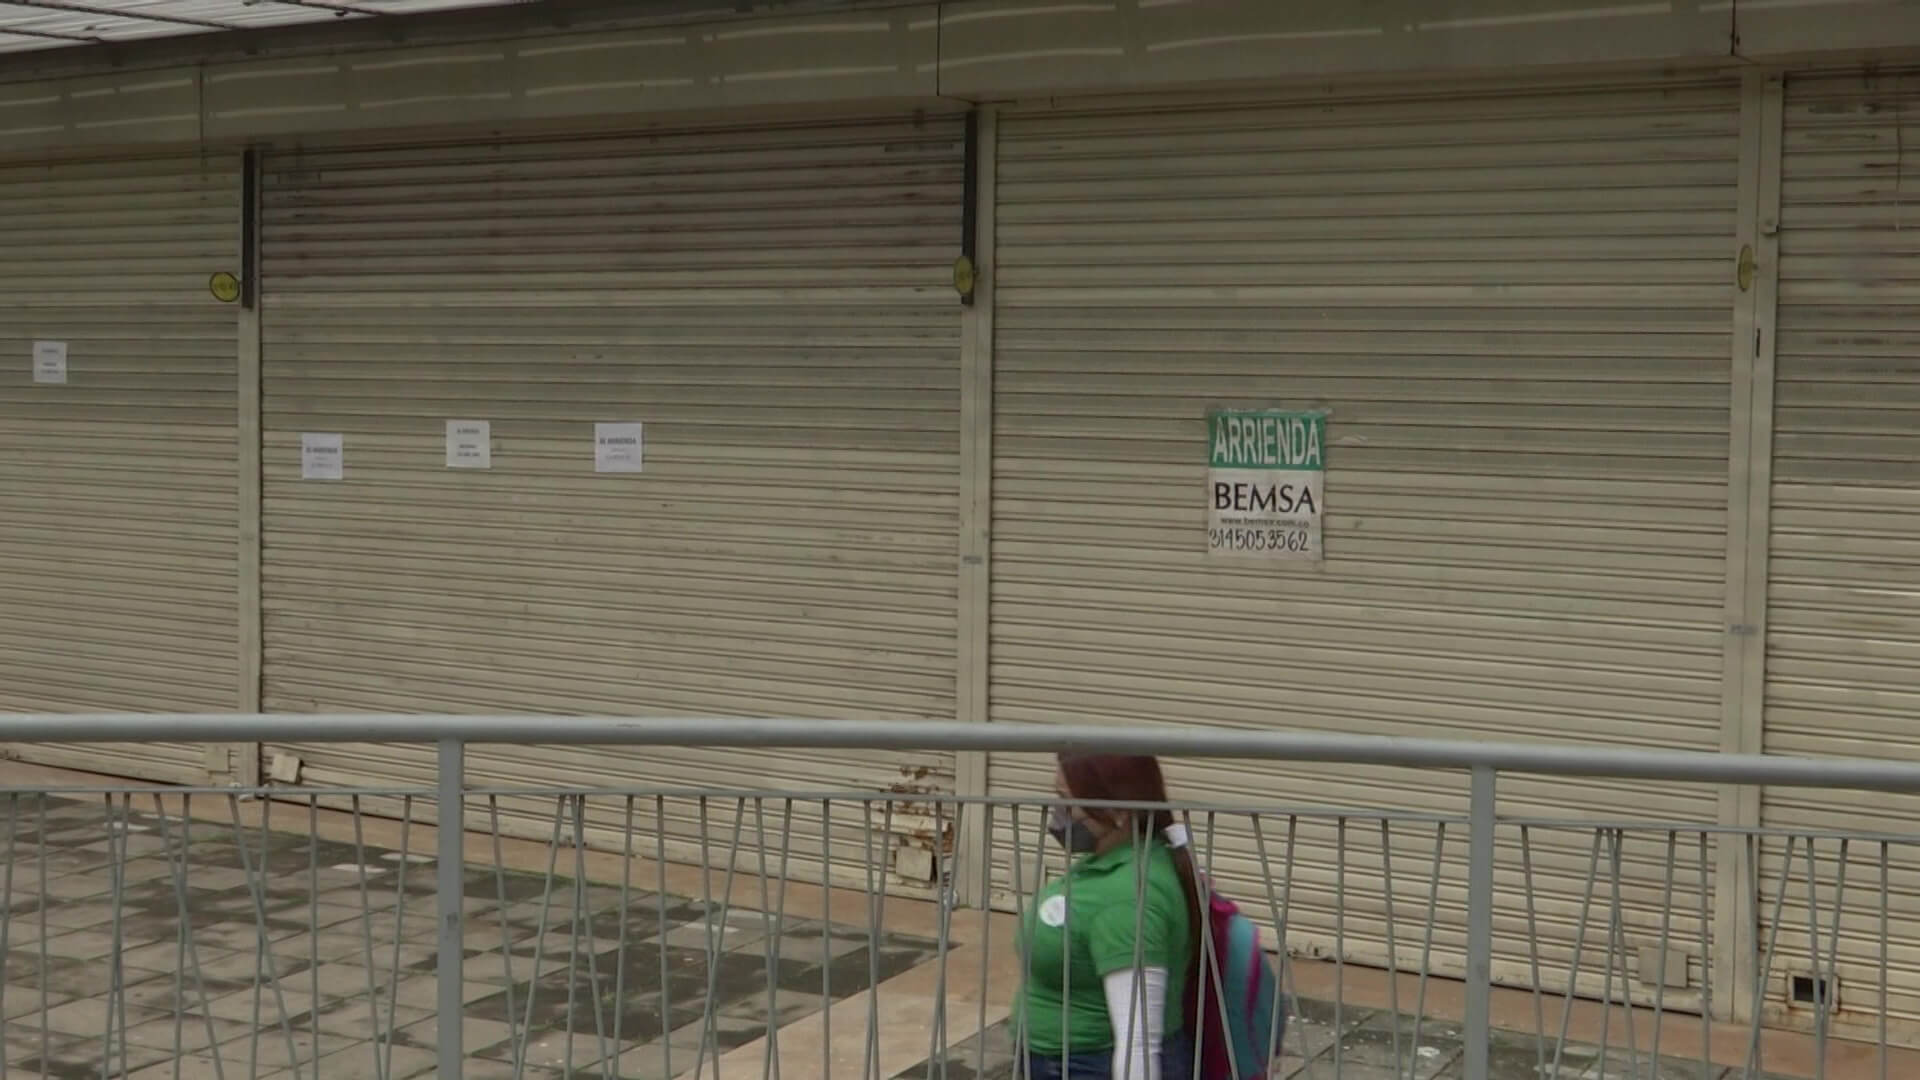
1112, 947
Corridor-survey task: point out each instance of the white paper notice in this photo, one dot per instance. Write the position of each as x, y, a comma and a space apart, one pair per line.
50, 362
469, 444
616, 448
323, 456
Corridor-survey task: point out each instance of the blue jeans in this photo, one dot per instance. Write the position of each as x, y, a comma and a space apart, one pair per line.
1176, 1063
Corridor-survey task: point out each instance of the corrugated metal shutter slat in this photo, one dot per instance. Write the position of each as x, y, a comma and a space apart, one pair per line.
773, 305
118, 491
1843, 641
1517, 309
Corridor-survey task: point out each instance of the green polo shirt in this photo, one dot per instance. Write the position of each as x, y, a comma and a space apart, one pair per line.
1091, 916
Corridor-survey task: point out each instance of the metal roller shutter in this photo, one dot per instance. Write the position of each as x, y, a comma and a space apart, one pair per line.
117, 486
1518, 310
1843, 647
773, 304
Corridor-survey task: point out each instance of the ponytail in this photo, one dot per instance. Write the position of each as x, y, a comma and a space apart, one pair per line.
1194, 889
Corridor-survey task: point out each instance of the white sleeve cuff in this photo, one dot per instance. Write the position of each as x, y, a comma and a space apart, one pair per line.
1137, 1008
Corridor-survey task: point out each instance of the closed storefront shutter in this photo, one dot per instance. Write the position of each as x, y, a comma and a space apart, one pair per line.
117, 450
1843, 647
1517, 311
776, 538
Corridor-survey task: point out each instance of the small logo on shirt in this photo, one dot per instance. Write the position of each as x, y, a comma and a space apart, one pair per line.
1053, 911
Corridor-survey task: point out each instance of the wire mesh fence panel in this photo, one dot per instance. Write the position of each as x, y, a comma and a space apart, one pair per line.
163, 933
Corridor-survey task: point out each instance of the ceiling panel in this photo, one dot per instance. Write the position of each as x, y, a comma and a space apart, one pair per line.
52, 24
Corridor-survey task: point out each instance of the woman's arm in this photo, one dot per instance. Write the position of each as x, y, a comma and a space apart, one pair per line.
1137, 1008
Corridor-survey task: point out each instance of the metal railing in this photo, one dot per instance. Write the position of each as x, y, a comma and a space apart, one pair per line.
225, 931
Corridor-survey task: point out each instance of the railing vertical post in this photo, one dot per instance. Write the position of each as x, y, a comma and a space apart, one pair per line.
1479, 1016
451, 905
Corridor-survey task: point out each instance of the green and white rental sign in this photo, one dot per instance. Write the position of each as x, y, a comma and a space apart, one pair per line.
1266, 484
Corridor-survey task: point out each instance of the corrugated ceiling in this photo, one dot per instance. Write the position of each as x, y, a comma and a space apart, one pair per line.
51, 24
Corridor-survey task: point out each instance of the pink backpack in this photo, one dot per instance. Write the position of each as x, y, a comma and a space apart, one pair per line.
1242, 1016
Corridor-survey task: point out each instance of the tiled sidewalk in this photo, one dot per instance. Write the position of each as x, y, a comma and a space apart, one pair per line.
570, 980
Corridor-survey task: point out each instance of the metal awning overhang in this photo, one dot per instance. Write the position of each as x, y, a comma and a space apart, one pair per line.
38, 25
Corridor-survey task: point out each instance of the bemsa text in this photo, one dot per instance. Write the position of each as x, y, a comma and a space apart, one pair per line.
1267, 442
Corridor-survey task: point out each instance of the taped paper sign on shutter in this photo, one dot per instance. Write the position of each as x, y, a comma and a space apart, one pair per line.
50, 362
617, 448
469, 444
323, 456
1266, 484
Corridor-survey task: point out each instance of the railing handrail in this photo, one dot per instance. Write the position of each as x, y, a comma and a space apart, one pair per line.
1680, 766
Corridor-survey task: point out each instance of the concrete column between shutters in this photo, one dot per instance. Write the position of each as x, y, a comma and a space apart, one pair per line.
975, 549
1754, 265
